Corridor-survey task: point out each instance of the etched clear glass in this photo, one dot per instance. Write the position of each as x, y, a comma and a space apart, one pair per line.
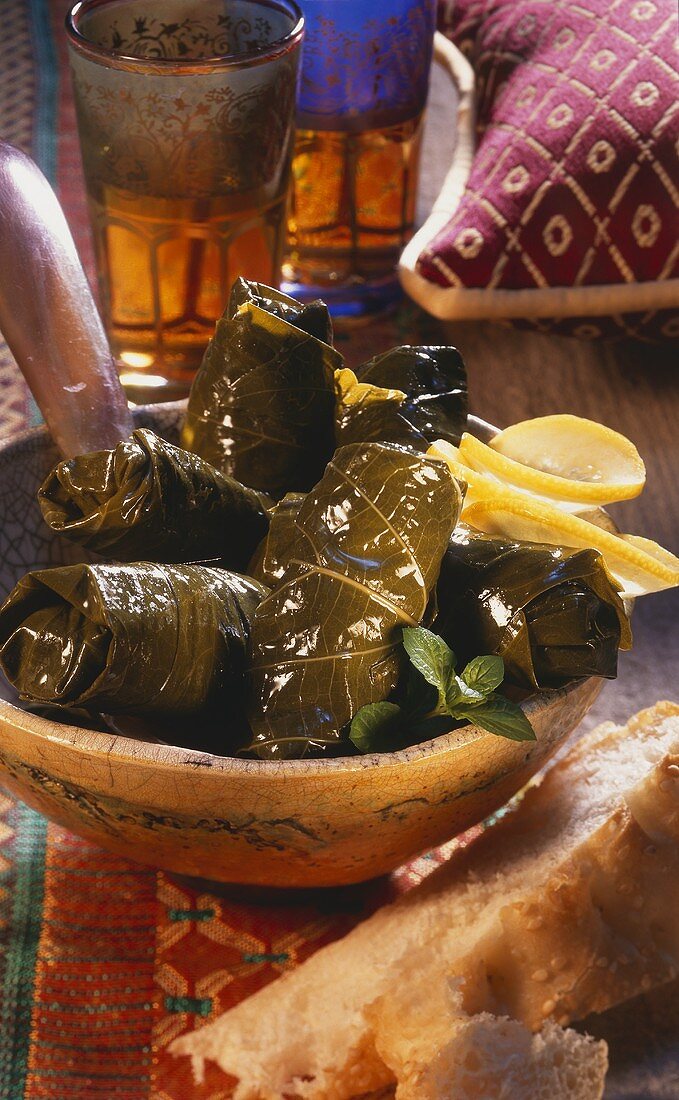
186, 120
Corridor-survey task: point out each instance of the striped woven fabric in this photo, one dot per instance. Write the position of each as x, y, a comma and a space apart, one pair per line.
104, 962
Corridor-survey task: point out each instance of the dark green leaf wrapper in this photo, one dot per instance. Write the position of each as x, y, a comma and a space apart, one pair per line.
434, 381
360, 561
268, 562
378, 422
552, 613
313, 317
149, 501
261, 407
138, 639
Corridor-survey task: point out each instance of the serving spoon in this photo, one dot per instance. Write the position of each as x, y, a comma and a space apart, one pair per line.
49, 318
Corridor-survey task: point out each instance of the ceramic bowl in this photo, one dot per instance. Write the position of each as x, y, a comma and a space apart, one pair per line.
301, 823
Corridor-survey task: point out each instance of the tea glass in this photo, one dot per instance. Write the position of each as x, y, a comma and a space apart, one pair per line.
365, 77
186, 120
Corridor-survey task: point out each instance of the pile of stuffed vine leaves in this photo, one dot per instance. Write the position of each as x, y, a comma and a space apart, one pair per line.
261, 407
552, 613
136, 639
147, 499
314, 482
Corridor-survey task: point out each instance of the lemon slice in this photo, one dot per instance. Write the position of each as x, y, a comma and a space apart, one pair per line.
638, 564
484, 485
479, 486
600, 518
562, 457
648, 546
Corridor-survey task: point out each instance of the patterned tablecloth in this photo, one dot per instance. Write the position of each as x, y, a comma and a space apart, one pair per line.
103, 962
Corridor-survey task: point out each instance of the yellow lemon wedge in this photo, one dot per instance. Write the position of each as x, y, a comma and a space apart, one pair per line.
564, 457
479, 486
483, 484
638, 564
600, 518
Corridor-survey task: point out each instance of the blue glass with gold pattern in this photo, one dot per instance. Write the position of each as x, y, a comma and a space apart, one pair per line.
365, 75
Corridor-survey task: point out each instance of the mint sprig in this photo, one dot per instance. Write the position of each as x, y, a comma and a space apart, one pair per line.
434, 695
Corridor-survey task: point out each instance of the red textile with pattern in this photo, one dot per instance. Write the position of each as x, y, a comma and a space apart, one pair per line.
574, 181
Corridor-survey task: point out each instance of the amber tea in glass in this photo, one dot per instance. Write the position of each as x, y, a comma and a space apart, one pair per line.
186, 122
353, 201
364, 85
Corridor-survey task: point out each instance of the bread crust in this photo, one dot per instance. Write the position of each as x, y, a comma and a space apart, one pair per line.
595, 926
617, 896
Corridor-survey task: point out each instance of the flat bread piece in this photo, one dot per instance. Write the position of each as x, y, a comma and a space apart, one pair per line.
566, 906
437, 1052
495, 1058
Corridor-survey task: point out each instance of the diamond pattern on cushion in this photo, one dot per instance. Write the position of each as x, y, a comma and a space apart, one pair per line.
574, 182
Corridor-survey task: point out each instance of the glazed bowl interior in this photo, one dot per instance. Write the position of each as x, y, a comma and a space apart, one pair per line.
294, 823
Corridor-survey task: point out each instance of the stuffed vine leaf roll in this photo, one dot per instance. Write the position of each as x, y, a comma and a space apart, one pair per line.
148, 500
434, 381
138, 638
359, 560
261, 407
552, 613
366, 413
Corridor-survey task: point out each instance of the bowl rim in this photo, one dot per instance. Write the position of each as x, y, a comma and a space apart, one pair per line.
124, 748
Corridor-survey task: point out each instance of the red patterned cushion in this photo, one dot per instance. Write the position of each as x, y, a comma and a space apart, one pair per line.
570, 212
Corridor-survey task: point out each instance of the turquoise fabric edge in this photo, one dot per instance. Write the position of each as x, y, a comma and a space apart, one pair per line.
25, 880
46, 107
47, 88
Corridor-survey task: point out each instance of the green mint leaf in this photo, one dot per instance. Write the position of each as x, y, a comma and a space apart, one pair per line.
501, 716
458, 695
377, 727
433, 700
454, 692
430, 655
484, 674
